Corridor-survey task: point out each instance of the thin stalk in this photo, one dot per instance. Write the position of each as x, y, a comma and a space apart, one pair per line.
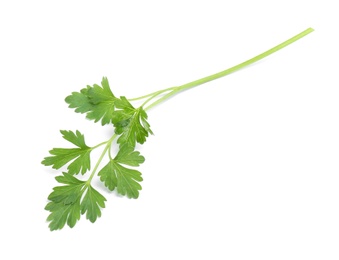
155, 95
230, 70
152, 94
148, 100
98, 145
108, 146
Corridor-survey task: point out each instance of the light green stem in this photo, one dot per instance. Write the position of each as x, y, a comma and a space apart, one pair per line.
230, 70
98, 145
108, 146
152, 94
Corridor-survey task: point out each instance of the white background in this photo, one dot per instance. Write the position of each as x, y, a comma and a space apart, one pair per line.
245, 167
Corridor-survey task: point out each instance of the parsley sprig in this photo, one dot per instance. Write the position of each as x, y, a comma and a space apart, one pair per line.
75, 197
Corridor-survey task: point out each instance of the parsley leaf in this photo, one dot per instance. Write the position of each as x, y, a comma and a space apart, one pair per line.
62, 213
131, 123
80, 101
69, 193
80, 156
91, 204
67, 202
128, 156
97, 101
126, 180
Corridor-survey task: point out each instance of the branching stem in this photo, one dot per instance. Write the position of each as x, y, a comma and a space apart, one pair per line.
107, 147
152, 94
223, 73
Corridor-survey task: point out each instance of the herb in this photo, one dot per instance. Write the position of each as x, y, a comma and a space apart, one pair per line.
76, 197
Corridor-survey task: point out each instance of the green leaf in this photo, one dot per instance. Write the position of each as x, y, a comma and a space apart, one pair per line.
91, 204
80, 156
108, 175
69, 193
65, 202
68, 179
80, 101
130, 123
75, 138
114, 175
98, 102
128, 156
63, 213
98, 94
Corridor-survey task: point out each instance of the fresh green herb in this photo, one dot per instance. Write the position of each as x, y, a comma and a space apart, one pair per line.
75, 197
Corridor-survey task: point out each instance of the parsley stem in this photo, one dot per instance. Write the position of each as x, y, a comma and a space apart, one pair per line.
108, 146
154, 94
98, 145
230, 70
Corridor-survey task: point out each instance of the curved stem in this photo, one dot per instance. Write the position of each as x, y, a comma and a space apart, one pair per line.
230, 70
162, 99
151, 94
155, 95
98, 145
108, 146
109, 152
148, 100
